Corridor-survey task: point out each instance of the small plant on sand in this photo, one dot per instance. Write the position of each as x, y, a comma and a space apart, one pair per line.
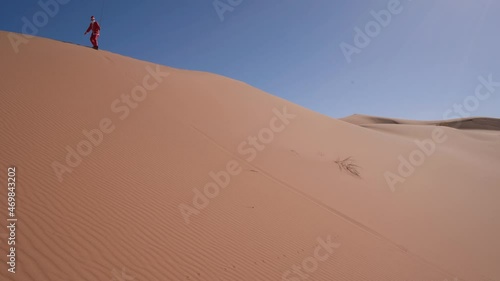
349, 165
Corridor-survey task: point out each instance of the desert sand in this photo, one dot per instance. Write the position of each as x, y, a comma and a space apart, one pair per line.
126, 170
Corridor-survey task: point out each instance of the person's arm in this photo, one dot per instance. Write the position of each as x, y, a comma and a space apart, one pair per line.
88, 29
98, 26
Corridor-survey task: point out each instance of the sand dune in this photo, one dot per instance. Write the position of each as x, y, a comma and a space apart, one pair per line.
475, 123
127, 170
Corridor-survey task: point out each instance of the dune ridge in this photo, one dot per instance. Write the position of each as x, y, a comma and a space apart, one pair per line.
471, 123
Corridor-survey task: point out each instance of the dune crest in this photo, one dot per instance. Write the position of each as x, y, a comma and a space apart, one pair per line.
471, 123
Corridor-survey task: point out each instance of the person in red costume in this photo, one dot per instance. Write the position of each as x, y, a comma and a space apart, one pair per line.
95, 28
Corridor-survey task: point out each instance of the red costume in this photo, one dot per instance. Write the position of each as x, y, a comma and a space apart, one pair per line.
95, 28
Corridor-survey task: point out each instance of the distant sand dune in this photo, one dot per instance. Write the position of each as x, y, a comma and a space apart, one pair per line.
477, 123
117, 214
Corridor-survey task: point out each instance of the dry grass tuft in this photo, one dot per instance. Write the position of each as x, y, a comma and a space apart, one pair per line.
350, 166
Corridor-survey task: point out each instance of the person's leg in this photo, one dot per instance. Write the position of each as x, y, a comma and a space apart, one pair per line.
93, 40
96, 41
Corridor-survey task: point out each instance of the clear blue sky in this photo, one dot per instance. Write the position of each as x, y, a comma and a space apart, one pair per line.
427, 59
